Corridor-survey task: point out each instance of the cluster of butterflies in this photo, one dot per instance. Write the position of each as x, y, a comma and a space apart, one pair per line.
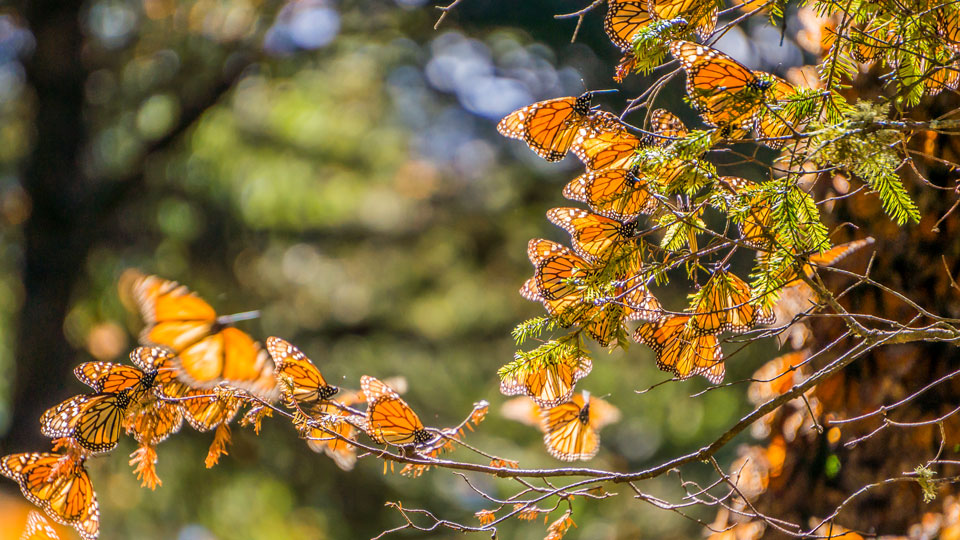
600, 280
195, 367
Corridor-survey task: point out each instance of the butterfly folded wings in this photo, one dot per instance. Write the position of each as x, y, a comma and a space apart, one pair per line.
389, 420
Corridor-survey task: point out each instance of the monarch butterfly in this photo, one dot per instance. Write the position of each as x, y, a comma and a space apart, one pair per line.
203, 409
307, 386
389, 420
701, 14
331, 438
153, 420
614, 193
152, 368
724, 303
623, 20
756, 225
724, 92
548, 127
557, 269
59, 485
948, 26
772, 122
208, 351
593, 235
38, 528
667, 126
600, 322
776, 377
570, 429
551, 385
93, 421
605, 143
682, 350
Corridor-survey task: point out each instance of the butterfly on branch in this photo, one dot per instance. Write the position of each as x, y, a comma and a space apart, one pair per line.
389, 420
299, 379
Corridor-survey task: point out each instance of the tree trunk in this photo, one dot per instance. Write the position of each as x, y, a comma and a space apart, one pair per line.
55, 242
917, 260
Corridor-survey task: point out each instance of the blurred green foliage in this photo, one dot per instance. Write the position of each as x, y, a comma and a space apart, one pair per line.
352, 187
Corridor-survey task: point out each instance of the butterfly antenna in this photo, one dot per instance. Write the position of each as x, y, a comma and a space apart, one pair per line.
606, 91
236, 317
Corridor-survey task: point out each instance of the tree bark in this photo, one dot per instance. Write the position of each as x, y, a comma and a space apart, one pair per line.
54, 243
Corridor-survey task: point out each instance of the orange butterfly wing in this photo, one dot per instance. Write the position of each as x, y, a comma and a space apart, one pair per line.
207, 352
570, 429
593, 235
59, 486
771, 122
701, 14
604, 143
330, 438
667, 126
683, 352
307, 384
623, 20
614, 193
725, 305
38, 528
724, 92
548, 127
551, 385
389, 420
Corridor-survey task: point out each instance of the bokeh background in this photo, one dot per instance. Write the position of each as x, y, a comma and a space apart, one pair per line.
336, 166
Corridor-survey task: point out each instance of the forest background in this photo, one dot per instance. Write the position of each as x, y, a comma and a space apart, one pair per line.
336, 166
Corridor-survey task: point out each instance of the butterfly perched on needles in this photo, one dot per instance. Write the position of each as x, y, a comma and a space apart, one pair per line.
550, 385
725, 303
59, 485
389, 420
682, 349
208, 350
773, 122
557, 269
549, 127
38, 528
570, 430
625, 18
613, 193
725, 93
300, 380
605, 143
